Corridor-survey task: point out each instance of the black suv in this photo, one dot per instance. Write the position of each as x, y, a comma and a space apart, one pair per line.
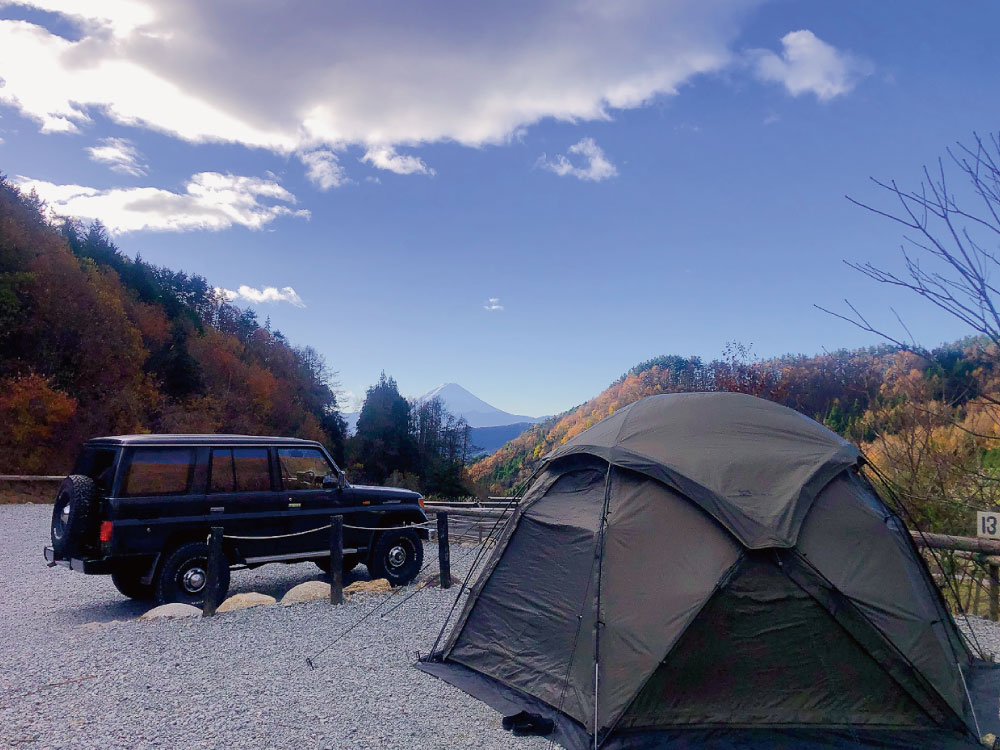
140, 507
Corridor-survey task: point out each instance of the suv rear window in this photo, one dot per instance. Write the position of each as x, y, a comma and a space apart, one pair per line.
98, 464
159, 471
240, 470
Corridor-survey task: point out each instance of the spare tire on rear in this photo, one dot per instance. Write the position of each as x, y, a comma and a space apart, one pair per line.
73, 515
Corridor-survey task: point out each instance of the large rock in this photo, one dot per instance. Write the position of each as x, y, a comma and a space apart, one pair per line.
378, 586
309, 591
245, 601
173, 611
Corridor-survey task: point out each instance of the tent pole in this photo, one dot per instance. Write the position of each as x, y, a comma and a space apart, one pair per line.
597, 618
972, 707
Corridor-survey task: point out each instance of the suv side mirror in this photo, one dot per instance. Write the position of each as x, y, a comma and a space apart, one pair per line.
338, 481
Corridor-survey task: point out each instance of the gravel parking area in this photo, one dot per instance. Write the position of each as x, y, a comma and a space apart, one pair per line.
78, 671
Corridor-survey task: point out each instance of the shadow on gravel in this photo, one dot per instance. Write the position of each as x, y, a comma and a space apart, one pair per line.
105, 611
274, 583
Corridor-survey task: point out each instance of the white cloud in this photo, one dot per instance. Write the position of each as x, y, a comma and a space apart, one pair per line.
385, 157
120, 155
349, 401
265, 295
807, 64
324, 170
493, 303
119, 17
210, 201
595, 165
338, 74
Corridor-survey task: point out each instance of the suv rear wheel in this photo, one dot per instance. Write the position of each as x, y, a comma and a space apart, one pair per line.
72, 515
129, 583
184, 576
397, 556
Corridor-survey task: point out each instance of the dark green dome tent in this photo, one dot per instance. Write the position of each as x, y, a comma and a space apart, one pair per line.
711, 569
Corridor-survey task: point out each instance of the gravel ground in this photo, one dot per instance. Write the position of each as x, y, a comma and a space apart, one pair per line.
78, 671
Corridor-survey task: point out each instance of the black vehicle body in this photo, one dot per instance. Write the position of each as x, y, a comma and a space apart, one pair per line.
132, 530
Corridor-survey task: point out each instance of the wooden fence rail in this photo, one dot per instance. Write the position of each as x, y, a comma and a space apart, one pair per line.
989, 548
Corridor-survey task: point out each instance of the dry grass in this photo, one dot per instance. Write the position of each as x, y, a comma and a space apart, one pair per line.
27, 492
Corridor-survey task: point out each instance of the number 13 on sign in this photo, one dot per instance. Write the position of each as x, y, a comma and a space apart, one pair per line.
988, 525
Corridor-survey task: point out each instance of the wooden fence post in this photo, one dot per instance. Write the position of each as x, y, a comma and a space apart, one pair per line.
215, 559
444, 551
336, 559
994, 592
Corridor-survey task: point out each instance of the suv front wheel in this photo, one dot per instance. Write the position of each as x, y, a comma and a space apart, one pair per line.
183, 577
397, 556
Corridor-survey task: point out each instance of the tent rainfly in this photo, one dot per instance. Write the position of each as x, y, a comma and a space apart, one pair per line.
712, 570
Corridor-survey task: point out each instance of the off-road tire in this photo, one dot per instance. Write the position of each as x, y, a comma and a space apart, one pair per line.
184, 574
73, 516
397, 556
350, 563
129, 583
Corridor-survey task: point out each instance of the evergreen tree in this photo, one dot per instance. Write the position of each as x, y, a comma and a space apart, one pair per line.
383, 443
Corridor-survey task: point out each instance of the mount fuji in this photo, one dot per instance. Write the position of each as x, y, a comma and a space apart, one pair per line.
476, 412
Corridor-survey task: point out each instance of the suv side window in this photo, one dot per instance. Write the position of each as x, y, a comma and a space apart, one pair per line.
240, 470
223, 477
159, 471
253, 470
303, 468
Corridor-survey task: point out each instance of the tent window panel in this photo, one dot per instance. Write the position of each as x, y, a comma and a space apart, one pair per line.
763, 652
523, 628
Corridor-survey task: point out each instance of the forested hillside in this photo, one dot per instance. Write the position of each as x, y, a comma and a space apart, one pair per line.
929, 421
93, 342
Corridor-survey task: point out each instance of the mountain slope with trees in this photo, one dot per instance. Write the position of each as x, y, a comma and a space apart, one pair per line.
929, 420
93, 342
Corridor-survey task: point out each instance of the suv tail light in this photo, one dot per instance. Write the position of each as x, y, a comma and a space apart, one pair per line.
106, 528
420, 501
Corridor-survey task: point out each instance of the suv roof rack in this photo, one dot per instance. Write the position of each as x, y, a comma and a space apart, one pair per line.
198, 440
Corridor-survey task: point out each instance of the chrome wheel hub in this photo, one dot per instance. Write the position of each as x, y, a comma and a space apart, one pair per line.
397, 557
193, 580
61, 522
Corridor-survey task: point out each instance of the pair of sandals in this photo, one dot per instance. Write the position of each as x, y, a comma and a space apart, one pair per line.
525, 723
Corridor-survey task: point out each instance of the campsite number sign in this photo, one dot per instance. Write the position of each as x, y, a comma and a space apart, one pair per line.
988, 525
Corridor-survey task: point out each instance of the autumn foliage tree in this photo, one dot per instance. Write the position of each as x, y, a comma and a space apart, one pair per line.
93, 342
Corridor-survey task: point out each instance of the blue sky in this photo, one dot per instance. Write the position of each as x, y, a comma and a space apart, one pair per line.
524, 198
